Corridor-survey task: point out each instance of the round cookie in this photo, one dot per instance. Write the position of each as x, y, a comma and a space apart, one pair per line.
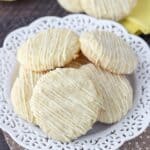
108, 9
114, 91
77, 63
22, 91
49, 49
72, 6
118, 98
64, 105
109, 51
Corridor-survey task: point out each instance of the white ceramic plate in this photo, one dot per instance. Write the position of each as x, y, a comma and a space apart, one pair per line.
102, 137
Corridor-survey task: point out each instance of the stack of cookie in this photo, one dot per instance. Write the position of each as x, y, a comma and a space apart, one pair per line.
106, 9
66, 83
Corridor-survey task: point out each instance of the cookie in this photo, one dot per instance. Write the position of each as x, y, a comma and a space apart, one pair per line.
114, 91
64, 105
77, 63
108, 9
118, 98
22, 91
73, 6
108, 51
49, 49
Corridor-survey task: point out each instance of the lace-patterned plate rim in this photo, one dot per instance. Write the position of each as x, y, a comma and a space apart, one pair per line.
111, 138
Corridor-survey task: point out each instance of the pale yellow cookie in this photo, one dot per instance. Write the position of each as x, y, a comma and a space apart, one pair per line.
72, 6
49, 49
114, 91
22, 91
65, 104
109, 51
118, 98
77, 63
108, 9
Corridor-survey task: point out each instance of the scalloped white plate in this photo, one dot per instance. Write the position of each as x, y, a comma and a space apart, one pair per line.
102, 137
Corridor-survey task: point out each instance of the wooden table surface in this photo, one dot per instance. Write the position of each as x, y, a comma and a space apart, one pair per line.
21, 13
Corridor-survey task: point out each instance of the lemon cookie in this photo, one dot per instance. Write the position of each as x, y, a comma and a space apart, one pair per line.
64, 103
49, 49
77, 63
109, 51
22, 91
117, 98
72, 6
108, 9
114, 91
